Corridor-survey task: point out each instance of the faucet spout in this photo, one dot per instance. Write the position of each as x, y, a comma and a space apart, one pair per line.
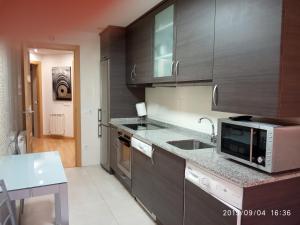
213, 134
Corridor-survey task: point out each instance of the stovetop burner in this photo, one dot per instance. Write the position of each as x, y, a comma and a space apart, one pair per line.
143, 126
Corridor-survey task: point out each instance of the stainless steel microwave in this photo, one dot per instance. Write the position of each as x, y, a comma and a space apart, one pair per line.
268, 147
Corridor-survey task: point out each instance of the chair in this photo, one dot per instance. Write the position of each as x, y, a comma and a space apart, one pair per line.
20, 137
5, 203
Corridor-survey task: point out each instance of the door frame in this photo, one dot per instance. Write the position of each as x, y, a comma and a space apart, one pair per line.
39, 96
76, 87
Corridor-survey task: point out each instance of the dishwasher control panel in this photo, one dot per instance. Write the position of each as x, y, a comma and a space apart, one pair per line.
142, 147
214, 185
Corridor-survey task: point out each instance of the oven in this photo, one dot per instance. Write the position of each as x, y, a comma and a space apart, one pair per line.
124, 158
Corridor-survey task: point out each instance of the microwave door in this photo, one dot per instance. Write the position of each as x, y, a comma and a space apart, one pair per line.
236, 141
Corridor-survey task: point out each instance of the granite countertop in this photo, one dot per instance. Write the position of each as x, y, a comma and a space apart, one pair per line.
206, 159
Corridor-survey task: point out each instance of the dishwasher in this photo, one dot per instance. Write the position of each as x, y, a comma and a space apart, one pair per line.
142, 175
210, 200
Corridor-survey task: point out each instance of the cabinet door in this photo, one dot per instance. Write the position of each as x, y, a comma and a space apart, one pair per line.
113, 139
202, 208
247, 56
142, 182
195, 39
164, 43
105, 42
139, 51
168, 187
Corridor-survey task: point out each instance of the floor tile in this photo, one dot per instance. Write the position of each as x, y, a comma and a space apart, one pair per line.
95, 198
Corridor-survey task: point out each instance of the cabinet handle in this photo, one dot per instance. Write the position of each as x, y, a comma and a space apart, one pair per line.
134, 71
172, 68
99, 131
99, 115
131, 75
152, 156
176, 68
215, 95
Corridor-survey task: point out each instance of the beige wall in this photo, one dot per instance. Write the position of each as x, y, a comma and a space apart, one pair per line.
182, 106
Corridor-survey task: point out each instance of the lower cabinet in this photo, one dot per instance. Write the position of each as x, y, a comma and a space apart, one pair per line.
142, 179
158, 183
168, 181
113, 145
202, 208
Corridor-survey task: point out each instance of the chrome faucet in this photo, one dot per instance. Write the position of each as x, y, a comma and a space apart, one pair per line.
213, 135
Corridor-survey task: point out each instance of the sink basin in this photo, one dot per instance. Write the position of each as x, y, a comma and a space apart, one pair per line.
189, 144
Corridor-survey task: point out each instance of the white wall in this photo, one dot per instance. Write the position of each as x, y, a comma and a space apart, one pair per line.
10, 111
182, 106
35, 57
90, 90
49, 105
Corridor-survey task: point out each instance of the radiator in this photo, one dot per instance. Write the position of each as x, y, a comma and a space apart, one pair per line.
57, 124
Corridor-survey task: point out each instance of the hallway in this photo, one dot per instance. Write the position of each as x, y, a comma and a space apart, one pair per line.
65, 146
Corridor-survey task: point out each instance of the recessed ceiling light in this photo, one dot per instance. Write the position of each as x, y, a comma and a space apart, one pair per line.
35, 50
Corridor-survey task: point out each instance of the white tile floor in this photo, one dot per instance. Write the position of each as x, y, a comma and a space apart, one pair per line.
95, 198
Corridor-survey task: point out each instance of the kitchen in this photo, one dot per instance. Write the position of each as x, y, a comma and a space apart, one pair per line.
238, 53
198, 120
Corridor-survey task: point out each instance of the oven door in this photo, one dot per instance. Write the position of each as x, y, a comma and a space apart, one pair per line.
203, 208
124, 156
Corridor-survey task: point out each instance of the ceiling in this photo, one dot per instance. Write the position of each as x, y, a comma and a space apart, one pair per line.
42, 51
51, 17
122, 13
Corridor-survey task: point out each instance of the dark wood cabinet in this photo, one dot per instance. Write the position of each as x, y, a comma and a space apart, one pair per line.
256, 57
195, 39
164, 42
142, 179
113, 145
202, 208
168, 187
122, 99
139, 63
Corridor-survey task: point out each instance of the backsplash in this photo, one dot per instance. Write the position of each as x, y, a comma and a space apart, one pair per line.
183, 106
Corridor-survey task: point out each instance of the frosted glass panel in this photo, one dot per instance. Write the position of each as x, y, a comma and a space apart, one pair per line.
163, 42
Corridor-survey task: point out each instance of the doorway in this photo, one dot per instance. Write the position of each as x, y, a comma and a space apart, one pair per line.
51, 100
36, 98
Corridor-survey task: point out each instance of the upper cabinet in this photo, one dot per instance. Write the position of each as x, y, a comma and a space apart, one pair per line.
164, 44
172, 43
256, 57
194, 39
139, 42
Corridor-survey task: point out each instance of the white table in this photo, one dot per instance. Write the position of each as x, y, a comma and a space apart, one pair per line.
37, 174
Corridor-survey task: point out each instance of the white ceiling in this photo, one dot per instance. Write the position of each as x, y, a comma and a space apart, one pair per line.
122, 13
49, 17
42, 51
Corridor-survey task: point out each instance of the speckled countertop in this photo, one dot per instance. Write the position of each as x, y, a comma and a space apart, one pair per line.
206, 159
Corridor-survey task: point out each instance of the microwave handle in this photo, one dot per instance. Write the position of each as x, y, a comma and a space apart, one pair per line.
251, 144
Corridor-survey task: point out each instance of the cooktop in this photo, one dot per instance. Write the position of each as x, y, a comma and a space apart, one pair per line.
143, 126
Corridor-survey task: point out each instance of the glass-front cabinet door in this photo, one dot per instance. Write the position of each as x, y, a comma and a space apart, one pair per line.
164, 44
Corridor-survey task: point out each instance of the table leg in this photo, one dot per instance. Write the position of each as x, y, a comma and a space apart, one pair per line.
61, 206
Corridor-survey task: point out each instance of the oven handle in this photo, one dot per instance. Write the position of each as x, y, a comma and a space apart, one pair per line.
124, 141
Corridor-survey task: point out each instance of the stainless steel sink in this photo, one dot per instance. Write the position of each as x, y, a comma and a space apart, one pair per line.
189, 144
